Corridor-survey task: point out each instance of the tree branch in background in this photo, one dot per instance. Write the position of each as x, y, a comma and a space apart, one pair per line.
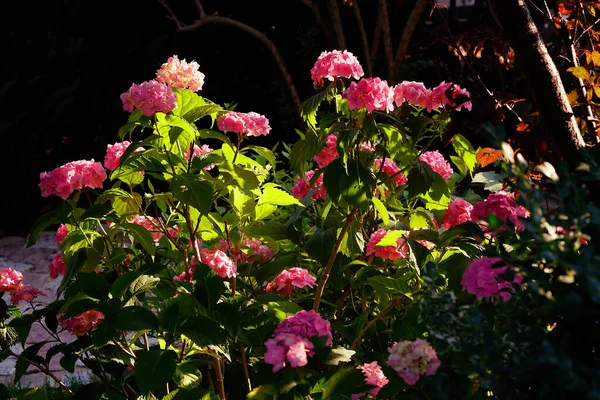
319, 18
268, 43
409, 30
376, 38
387, 37
337, 24
363, 38
539, 68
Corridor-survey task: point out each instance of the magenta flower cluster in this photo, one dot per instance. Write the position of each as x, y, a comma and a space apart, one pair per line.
286, 282
72, 176
329, 152
81, 324
483, 279
302, 188
219, 262
391, 169
374, 377
11, 282
503, 206
438, 163
335, 64
447, 95
149, 97
178, 74
251, 124
411, 360
386, 252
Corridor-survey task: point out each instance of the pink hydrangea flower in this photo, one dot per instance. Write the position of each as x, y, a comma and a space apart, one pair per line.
438, 163
185, 276
179, 74
219, 262
292, 278
335, 64
114, 153
61, 233
301, 188
411, 360
306, 324
391, 169
414, 92
72, 176
10, 280
251, 124
370, 93
329, 152
459, 212
450, 95
482, 278
82, 323
373, 376
57, 266
150, 223
288, 347
386, 252
198, 151
149, 97
26, 293
259, 249
503, 206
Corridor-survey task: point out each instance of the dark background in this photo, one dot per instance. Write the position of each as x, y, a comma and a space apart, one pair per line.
65, 63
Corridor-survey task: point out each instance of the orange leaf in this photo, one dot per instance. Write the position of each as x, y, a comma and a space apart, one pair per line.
488, 156
564, 10
522, 127
580, 72
596, 58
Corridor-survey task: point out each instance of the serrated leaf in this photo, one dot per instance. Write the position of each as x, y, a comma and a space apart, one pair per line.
580, 72
42, 223
187, 375
136, 318
389, 285
277, 197
491, 180
203, 331
390, 238
420, 179
339, 355
154, 368
194, 191
382, 210
343, 384
141, 235
74, 264
93, 285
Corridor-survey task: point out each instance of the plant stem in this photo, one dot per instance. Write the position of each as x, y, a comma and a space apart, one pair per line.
45, 371
329, 265
219, 376
382, 314
237, 149
245, 366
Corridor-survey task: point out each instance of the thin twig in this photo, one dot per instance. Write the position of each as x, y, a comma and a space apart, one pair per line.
337, 24
363, 37
387, 37
329, 265
382, 314
219, 376
245, 367
407, 34
44, 370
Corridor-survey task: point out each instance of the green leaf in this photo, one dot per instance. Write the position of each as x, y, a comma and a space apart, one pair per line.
304, 150
203, 331
263, 151
390, 239
383, 212
465, 151
74, 264
202, 111
580, 72
154, 368
194, 191
29, 353
438, 196
339, 355
23, 325
320, 245
93, 285
492, 181
120, 285
187, 375
209, 286
141, 235
389, 285
238, 176
42, 223
136, 318
344, 383
353, 187
210, 134
277, 197
141, 284
282, 309
309, 108
420, 179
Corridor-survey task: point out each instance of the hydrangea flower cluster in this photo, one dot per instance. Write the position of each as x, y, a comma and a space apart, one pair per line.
411, 360
149, 97
219, 262
287, 280
503, 206
72, 176
150, 224
335, 64
445, 94
10, 280
386, 252
290, 340
373, 376
81, 324
198, 151
391, 169
370, 93
57, 266
26, 293
438, 163
259, 249
61, 234
413, 92
482, 278
114, 153
251, 124
458, 212
329, 152
178, 74
302, 188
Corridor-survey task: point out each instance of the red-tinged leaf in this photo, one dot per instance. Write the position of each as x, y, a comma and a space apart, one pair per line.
580, 72
564, 9
589, 95
597, 91
488, 156
522, 127
573, 95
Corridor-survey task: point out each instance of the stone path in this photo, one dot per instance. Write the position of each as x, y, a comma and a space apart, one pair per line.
33, 263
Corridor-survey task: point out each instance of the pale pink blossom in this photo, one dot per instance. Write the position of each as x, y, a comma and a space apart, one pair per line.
288, 347
10, 280
374, 377
414, 92
450, 95
26, 293
335, 64
61, 233
251, 124
150, 223
370, 93
179, 74
503, 206
72, 176
438, 163
306, 324
149, 97
114, 153
262, 251
57, 266
459, 212
329, 152
286, 282
411, 360
386, 252
219, 262
482, 278
302, 188
185, 276
82, 323
391, 169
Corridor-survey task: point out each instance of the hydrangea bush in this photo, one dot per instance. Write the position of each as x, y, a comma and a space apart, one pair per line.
193, 265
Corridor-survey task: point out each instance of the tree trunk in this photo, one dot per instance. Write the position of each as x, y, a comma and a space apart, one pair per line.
537, 65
